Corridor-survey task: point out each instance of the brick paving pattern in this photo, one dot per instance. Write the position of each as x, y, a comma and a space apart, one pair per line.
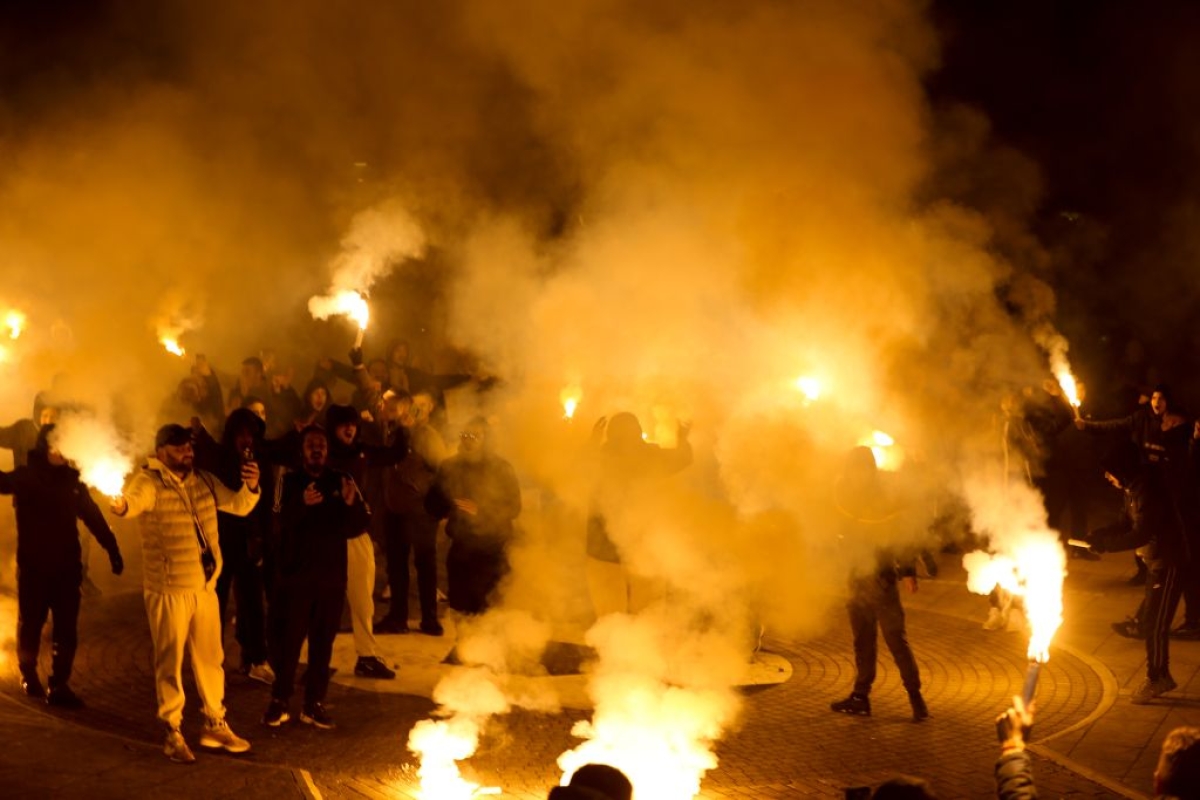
788, 744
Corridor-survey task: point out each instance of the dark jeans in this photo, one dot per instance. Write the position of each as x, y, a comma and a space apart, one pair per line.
876, 605
415, 533
472, 574
42, 592
1164, 586
304, 608
245, 577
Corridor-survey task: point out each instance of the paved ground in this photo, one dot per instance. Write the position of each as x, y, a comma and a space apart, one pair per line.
1092, 742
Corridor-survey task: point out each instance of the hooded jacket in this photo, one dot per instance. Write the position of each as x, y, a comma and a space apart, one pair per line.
50, 502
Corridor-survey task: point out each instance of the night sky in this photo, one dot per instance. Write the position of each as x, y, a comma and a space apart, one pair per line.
1087, 164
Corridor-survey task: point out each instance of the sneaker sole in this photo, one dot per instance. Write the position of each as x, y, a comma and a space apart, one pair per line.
176, 758
213, 744
325, 726
282, 719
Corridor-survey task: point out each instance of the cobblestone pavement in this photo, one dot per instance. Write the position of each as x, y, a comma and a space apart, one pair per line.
787, 744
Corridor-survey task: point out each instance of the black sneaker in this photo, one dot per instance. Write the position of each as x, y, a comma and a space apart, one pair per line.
373, 667
277, 713
62, 697
1129, 628
31, 686
1188, 630
432, 628
856, 704
920, 710
391, 625
317, 716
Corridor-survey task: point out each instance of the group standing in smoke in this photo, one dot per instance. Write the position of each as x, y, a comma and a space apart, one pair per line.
282, 522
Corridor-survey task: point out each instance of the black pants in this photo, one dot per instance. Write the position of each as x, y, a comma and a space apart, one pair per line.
415, 533
304, 608
876, 605
245, 578
1164, 585
472, 574
39, 593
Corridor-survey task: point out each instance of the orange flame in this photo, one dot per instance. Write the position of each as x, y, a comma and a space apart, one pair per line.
1034, 571
888, 456
15, 322
171, 345
809, 386
570, 397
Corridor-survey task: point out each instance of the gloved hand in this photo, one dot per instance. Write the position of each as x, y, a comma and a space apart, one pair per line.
356, 357
118, 563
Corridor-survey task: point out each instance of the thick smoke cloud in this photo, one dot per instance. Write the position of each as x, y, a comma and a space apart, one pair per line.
677, 208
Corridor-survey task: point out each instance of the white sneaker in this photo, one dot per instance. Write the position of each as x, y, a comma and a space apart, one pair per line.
997, 620
176, 748
217, 735
261, 673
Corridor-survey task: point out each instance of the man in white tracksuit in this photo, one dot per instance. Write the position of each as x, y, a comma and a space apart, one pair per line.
181, 561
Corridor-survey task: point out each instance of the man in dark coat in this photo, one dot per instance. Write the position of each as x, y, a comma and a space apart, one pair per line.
320, 509
479, 494
50, 501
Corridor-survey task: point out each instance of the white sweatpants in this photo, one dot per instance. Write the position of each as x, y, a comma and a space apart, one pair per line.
191, 620
360, 587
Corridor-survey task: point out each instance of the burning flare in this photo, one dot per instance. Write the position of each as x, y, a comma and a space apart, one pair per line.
1034, 571
888, 456
570, 397
15, 322
347, 303
96, 450
808, 386
171, 345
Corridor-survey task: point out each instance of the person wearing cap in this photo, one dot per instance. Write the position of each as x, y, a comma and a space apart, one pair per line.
181, 558
50, 502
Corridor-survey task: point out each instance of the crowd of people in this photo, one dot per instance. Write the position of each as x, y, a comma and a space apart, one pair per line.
283, 501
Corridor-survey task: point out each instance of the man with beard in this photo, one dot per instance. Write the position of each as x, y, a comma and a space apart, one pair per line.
319, 509
479, 494
181, 558
50, 501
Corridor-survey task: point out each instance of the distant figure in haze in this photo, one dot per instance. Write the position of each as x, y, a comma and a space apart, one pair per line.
251, 381
595, 782
628, 467
874, 602
479, 494
50, 501
21, 437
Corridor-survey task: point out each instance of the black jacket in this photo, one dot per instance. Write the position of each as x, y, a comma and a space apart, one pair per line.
492, 483
50, 502
313, 538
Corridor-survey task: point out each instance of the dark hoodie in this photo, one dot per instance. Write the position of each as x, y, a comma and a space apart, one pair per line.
50, 502
224, 460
